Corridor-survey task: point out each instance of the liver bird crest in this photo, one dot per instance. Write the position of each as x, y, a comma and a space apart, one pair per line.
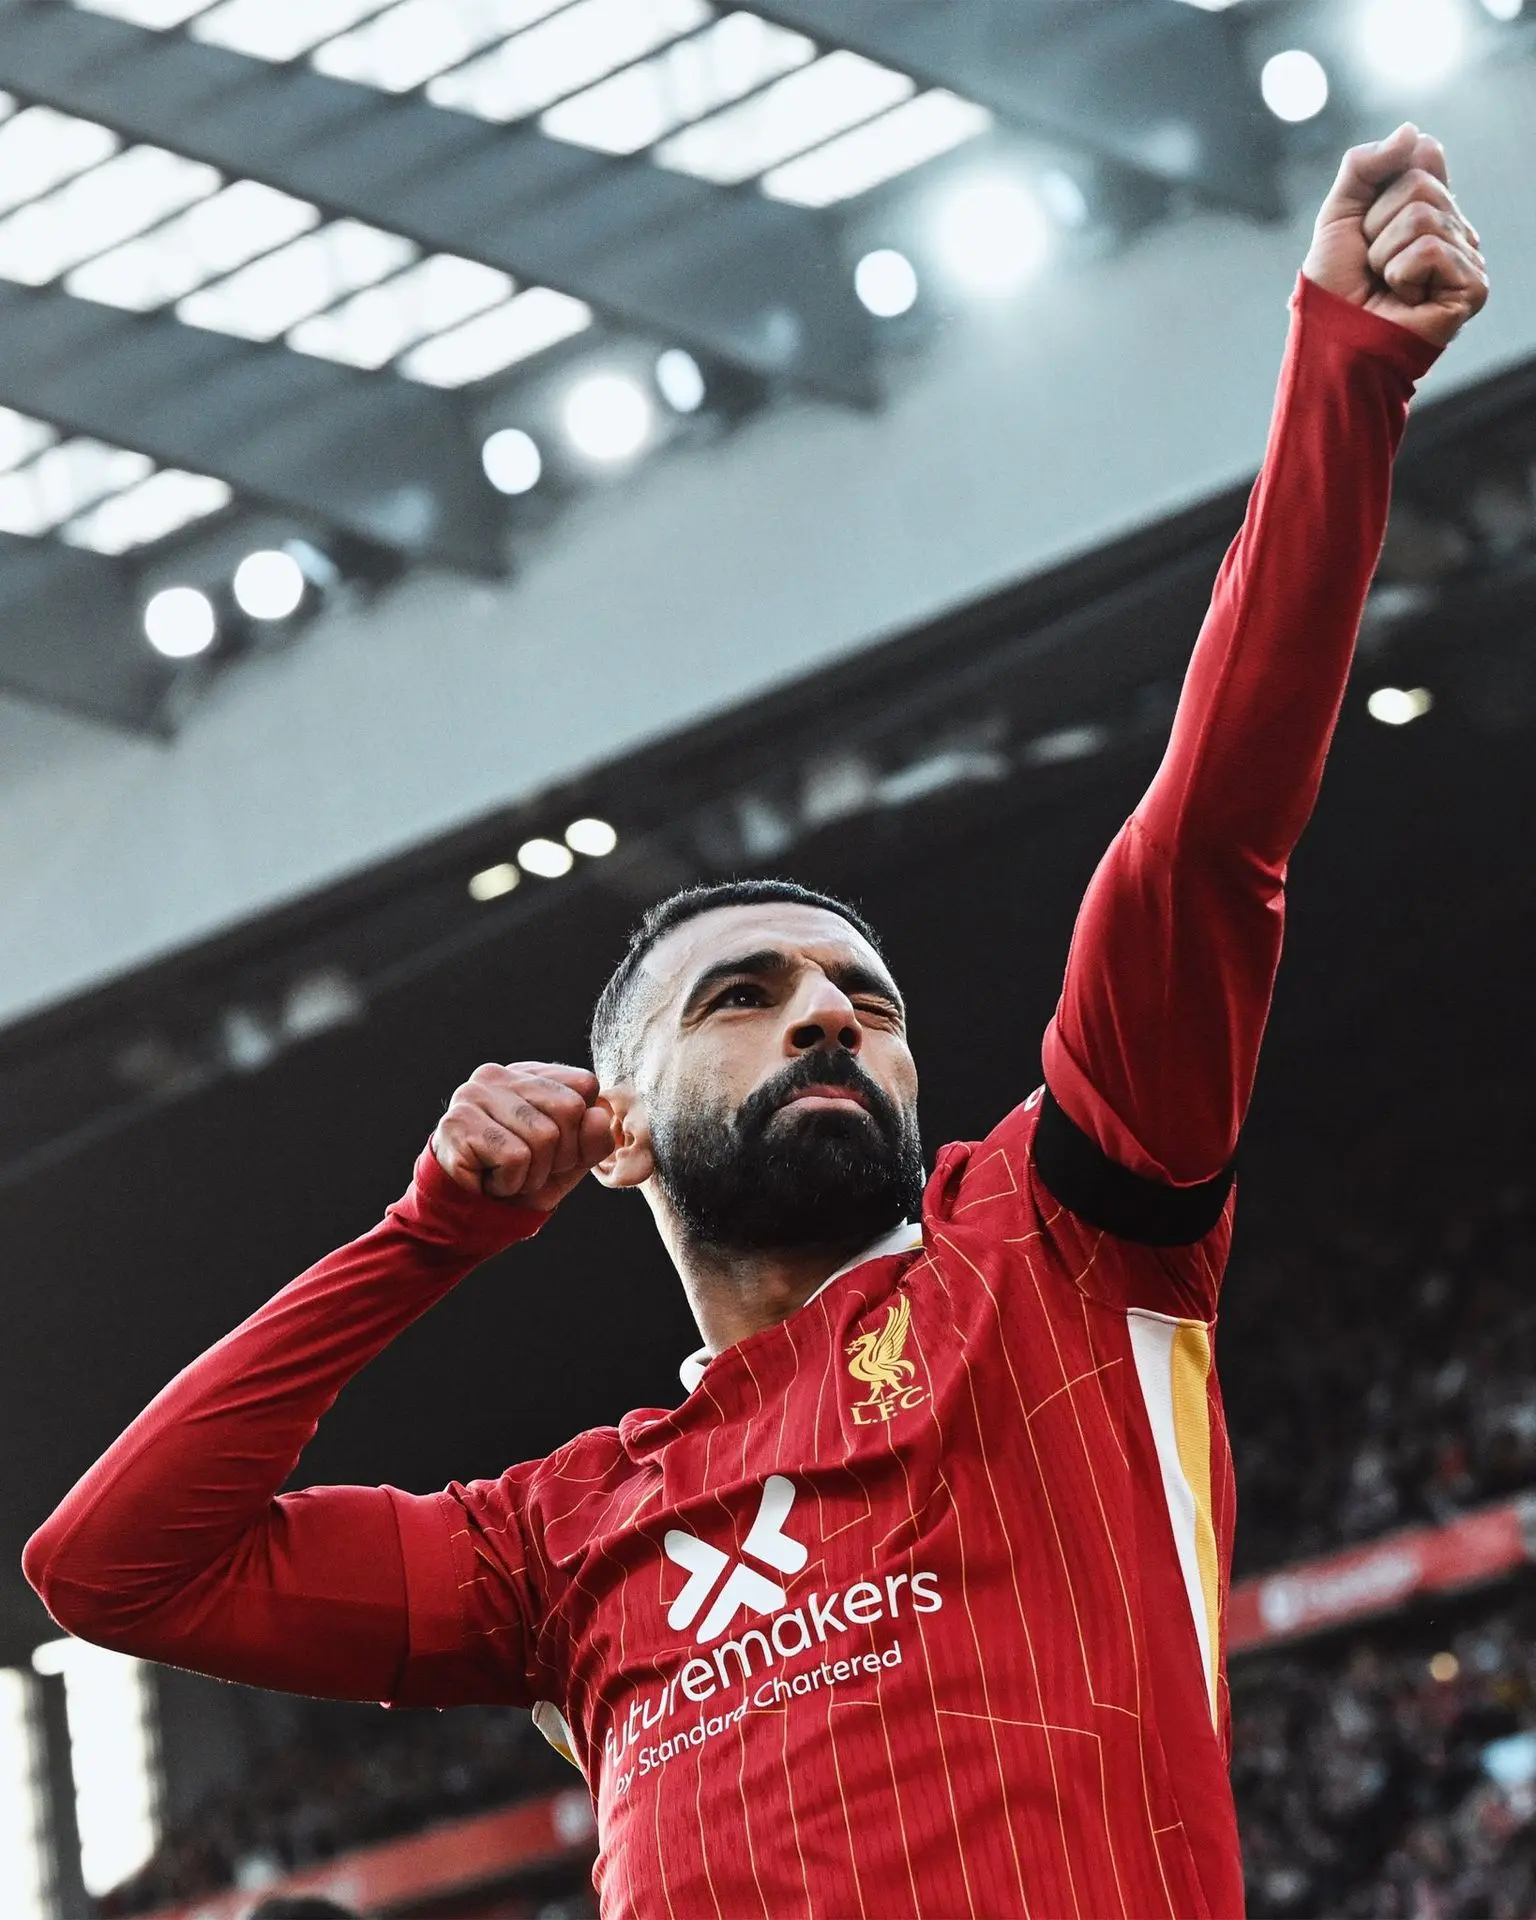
877, 1356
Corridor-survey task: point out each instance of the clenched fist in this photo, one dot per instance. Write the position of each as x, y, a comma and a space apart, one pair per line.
527, 1132
1391, 238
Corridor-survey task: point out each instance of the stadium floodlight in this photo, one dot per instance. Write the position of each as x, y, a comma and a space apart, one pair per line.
1396, 706
546, 858
1412, 44
886, 282
1062, 196
594, 838
608, 417
490, 883
992, 234
512, 461
681, 380
24, 1866
269, 585
109, 1710
179, 622
1294, 85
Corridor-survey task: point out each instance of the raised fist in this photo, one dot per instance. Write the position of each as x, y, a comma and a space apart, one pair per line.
1391, 238
527, 1132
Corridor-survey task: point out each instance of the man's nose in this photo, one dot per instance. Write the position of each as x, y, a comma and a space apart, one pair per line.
824, 1018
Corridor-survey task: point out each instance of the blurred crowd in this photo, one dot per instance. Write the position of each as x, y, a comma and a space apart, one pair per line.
1364, 1783
1380, 1370
351, 1779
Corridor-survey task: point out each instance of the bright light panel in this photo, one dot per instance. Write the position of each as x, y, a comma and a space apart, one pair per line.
897, 141
160, 505
180, 623
512, 460
214, 237
48, 485
144, 229
41, 148
278, 29
112, 1757
269, 585
24, 1867
992, 234
63, 480
708, 70
681, 380
99, 209
1062, 197
375, 326
405, 45
21, 437
608, 418
1412, 44
274, 293
797, 112
1294, 85
593, 838
1396, 706
534, 320
546, 858
578, 45
886, 282
492, 882
1504, 9
145, 13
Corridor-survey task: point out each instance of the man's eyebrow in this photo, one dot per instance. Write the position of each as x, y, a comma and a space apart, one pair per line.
852, 976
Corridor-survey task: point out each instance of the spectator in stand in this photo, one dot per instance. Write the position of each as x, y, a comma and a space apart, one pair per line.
1361, 1778
1394, 1382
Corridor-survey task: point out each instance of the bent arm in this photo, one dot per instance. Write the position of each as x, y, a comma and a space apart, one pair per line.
176, 1546
1152, 1052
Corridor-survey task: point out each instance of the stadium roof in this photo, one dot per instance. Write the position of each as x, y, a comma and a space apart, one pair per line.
267, 257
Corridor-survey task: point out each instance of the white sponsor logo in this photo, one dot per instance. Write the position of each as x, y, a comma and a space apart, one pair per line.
744, 1586
753, 1658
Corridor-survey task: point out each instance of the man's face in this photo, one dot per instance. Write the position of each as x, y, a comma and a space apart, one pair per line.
779, 1087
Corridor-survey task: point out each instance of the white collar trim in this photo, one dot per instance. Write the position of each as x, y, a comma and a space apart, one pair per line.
903, 1239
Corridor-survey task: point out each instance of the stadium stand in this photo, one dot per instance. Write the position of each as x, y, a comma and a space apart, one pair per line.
1393, 1776
1396, 1382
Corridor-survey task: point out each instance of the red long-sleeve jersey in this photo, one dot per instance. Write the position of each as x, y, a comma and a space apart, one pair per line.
914, 1605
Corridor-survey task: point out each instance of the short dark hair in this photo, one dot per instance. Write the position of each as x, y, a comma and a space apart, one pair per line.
610, 1051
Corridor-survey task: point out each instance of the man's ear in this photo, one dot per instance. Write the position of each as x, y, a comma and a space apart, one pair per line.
631, 1163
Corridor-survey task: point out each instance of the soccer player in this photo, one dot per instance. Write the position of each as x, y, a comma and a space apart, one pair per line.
914, 1605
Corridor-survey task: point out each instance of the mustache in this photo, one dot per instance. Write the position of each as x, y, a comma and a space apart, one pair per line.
838, 1069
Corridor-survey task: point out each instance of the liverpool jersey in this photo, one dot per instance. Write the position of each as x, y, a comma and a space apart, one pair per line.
913, 1606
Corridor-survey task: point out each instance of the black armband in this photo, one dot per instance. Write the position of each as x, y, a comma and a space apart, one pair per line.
1108, 1196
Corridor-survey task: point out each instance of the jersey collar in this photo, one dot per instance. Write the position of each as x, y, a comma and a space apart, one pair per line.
903, 1239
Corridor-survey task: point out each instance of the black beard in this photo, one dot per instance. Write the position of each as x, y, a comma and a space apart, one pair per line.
765, 1181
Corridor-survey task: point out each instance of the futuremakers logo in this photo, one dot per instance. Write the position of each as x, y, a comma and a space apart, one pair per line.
744, 1586
794, 1652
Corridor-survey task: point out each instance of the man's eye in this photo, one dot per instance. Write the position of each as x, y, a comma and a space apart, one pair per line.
745, 993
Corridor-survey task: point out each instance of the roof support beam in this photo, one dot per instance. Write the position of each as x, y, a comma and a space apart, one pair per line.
70, 638
1155, 86
366, 453
736, 276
